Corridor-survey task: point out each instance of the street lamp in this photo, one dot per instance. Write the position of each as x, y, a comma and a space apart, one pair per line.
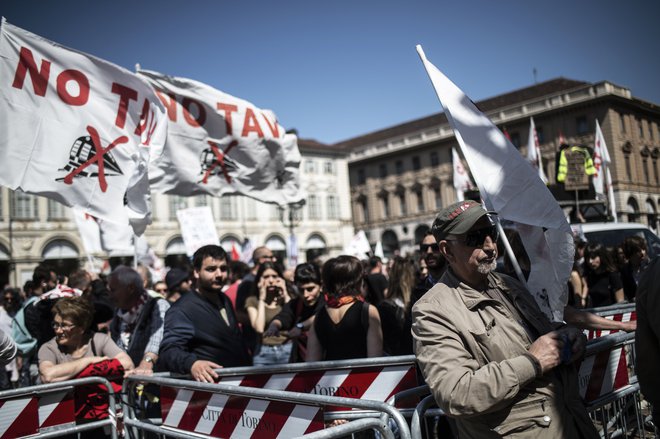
290, 217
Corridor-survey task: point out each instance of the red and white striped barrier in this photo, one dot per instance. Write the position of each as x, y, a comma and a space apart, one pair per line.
602, 373
19, 417
56, 410
29, 415
620, 317
238, 417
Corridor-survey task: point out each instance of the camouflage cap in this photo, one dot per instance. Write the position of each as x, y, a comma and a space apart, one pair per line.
457, 218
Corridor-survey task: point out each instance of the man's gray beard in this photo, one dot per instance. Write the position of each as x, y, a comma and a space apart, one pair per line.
485, 268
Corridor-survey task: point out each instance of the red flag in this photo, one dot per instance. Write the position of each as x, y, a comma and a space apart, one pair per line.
235, 254
562, 139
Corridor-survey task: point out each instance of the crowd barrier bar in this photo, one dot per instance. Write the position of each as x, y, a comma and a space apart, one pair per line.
258, 393
617, 308
42, 389
341, 431
305, 366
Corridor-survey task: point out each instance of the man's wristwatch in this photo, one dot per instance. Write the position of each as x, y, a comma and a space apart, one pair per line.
149, 360
300, 326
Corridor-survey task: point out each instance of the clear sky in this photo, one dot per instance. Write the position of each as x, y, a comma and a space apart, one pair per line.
337, 69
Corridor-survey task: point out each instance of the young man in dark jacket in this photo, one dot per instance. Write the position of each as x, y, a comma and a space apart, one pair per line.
201, 332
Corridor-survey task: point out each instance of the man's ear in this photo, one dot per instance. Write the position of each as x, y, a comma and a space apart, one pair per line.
195, 274
446, 251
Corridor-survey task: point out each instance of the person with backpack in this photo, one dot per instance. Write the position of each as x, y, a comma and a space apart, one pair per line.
26, 324
346, 327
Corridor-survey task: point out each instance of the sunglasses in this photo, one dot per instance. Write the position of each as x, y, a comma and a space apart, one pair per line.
476, 238
435, 248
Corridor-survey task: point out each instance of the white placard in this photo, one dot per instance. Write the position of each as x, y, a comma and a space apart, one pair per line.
197, 228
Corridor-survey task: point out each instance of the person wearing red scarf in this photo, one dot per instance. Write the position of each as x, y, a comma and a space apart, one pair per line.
346, 327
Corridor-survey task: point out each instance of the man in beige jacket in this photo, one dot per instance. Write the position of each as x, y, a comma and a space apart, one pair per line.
492, 359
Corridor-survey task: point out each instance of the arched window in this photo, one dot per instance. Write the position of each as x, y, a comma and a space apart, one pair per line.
277, 245
314, 247
651, 215
228, 241
633, 210
390, 243
60, 249
61, 256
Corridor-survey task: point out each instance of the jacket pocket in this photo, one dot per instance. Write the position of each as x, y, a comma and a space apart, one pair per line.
489, 346
525, 417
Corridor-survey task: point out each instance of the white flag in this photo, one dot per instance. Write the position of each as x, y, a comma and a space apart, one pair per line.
359, 246
462, 181
218, 144
603, 177
88, 229
534, 150
76, 129
511, 187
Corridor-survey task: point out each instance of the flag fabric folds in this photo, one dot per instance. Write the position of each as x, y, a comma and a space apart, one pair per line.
462, 181
218, 144
603, 178
76, 129
534, 151
511, 187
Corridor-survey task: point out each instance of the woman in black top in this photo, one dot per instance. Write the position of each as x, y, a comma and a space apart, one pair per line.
602, 280
346, 327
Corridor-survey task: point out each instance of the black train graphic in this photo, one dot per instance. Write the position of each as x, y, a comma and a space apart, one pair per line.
211, 166
81, 151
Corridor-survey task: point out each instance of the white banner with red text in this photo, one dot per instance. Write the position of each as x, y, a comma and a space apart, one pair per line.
218, 144
77, 129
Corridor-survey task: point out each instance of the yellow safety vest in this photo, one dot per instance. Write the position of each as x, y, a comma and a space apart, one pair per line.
589, 168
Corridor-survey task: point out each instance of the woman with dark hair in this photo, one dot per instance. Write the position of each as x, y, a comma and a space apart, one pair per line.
297, 315
270, 294
602, 279
346, 327
392, 309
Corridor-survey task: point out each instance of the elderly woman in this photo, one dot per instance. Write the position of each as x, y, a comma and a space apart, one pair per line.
75, 346
347, 327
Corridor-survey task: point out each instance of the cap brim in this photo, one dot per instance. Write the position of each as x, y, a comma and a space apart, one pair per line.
467, 223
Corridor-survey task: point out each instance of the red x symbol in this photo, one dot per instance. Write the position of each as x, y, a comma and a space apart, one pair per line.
220, 160
98, 157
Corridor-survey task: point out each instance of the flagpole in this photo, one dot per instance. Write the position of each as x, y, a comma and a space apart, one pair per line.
10, 193
135, 251
509, 252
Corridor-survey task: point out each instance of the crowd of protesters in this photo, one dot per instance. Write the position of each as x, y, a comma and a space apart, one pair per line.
275, 318
223, 313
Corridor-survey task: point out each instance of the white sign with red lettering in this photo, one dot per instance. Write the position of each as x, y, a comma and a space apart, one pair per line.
218, 144
76, 129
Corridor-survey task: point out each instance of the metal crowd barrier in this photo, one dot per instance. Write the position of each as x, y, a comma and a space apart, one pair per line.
48, 410
376, 379
241, 412
610, 388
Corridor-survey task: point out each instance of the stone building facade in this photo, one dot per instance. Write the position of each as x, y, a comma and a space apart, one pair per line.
402, 175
